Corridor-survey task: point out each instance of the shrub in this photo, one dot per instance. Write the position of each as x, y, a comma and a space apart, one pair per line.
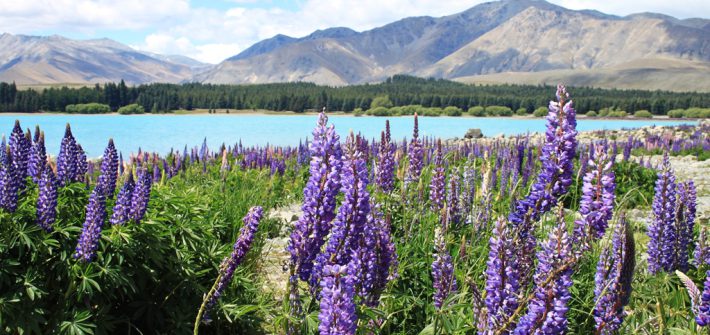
676, 113
410, 109
643, 114
591, 114
432, 111
131, 109
697, 113
378, 111
452, 111
521, 112
540, 112
499, 111
477, 111
90, 108
382, 101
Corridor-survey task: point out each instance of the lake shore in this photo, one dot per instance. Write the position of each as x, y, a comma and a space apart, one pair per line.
263, 112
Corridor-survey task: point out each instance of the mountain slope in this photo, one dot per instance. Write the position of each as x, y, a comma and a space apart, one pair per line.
509, 36
55, 59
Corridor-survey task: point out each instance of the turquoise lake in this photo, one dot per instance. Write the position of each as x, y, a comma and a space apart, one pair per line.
160, 133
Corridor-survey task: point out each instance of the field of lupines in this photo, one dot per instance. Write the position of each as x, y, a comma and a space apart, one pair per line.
498, 236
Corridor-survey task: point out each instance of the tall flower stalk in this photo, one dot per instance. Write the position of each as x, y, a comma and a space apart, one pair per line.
660, 232
47, 199
597, 203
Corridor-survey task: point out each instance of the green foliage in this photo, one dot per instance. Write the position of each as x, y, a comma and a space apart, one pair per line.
521, 112
477, 111
634, 185
131, 109
698, 113
90, 108
453, 111
591, 114
499, 111
643, 114
382, 101
540, 112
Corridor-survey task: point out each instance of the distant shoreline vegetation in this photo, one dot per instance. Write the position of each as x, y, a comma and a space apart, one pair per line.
398, 95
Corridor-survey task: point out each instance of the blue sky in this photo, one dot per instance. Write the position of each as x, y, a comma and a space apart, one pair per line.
211, 31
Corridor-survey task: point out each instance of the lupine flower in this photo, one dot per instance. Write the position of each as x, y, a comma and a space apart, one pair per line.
141, 195
337, 308
597, 201
502, 277
683, 235
453, 210
416, 155
384, 177
468, 193
109, 170
553, 278
613, 280
310, 231
240, 249
442, 270
10, 182
349, 225
690, 211
555, 177
703, 316
82, 164
121, 209
67, 161
91, 232
701, 256
47, 199
20, 149
379, 258
660, 231
627, 148
38, 158
437, 186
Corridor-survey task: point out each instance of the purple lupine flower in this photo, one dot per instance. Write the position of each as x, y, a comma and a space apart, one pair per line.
416, 155
82, 164
379, 258
10, 182
502, 277
349, 225
554, 179
141, 195
38, 158
701, 256
553, 278
47, 199
67, 165
453, 209
683, 237
122, 207
20, 148
438, 180
384, 176
91, 232
613, 280
703, 316
660, 232
690, 212
309, 232
627, 148
240, 249
337, 307
597, 202
442, 270
468, 193
109, 170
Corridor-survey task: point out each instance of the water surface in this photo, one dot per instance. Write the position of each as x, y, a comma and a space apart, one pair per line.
160, 133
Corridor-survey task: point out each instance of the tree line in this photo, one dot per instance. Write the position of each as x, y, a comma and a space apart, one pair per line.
401, 90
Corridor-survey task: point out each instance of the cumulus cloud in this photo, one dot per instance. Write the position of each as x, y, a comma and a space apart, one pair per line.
211, 35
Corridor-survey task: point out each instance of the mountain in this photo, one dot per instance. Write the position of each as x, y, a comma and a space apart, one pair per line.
517, 41
29, 60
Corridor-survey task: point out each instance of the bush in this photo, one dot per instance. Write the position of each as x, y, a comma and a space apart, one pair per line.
643, 114
383, 101
432, 111
521, 112
591, 114
540, 112
90, 108
410, 109
676, 113
499, 111
453, 111
697, 113
132, 109
378, 111
477, 111
619, 114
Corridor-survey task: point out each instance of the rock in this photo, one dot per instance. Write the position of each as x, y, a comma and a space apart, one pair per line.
473, 133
